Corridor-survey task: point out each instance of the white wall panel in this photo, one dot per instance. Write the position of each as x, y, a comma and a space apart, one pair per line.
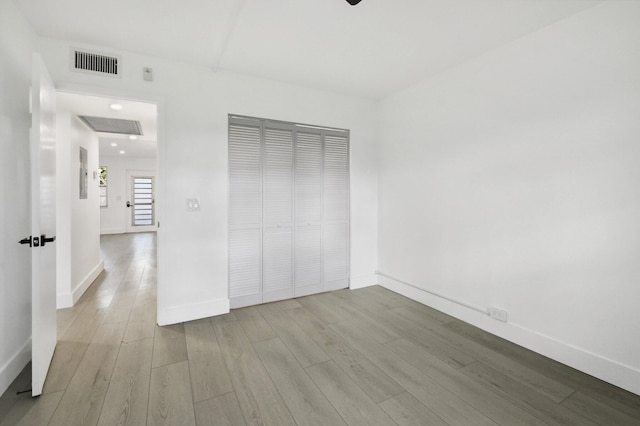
512, 181
78, 220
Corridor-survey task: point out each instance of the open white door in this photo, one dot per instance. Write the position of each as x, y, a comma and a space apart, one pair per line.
43, 224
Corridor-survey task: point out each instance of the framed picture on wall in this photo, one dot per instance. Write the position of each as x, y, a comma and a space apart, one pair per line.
84, 173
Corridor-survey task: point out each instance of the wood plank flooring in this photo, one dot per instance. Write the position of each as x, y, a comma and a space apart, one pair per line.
363, 357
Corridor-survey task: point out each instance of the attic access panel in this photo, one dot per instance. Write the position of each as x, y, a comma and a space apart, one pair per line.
113, 125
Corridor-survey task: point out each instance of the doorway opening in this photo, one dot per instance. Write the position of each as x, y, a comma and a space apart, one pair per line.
114, 192
127, 132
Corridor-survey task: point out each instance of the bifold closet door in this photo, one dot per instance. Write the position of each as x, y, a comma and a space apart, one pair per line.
308, 213
288, 210
277, 212
335, 233
245, 212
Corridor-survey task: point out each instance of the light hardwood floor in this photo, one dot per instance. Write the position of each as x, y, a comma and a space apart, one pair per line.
364, 357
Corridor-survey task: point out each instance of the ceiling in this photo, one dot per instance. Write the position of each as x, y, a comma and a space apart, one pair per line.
142, 147
370, 50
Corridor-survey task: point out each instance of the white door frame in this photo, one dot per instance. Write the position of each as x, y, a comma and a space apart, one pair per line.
161, 161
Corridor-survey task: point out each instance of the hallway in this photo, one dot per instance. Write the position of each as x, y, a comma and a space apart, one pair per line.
360, 357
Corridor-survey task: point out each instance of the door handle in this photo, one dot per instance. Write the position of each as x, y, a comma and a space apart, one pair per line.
27, 240
128, 204
45, 240
32, 241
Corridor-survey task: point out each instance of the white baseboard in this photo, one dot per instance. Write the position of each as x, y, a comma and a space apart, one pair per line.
87, 281
12, 368
363, 281
64, 300
194, 311
67, 300
112, 231
610, 371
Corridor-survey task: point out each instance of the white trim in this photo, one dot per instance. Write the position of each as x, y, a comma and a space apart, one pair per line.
64, 300
161, 166
363, 281
67, 300
112, 231
12, 368
87, 281
194, 311
610, 371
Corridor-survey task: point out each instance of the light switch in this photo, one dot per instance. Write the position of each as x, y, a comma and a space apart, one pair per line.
193, 205
147, 74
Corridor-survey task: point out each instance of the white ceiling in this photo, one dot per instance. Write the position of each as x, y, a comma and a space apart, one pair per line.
370, 50
146, 114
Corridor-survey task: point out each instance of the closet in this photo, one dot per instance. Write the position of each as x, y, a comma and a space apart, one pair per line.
288, 210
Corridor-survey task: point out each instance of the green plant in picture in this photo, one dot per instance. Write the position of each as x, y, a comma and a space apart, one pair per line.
103, 175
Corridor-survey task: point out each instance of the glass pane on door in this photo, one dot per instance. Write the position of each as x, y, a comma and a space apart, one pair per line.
142, 201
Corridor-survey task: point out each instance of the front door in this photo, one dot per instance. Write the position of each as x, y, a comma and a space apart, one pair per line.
43, 223
141, 202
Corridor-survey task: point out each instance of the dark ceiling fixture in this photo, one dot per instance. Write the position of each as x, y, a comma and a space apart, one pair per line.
353, 2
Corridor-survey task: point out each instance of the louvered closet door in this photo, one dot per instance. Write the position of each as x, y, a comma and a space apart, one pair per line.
288, 210
245, 213
336, 211
277, 205
308, 212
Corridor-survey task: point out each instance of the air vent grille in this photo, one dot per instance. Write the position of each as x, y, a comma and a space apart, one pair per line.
95, 62
113, 125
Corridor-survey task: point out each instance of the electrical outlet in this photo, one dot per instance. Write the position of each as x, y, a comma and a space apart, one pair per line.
498, 314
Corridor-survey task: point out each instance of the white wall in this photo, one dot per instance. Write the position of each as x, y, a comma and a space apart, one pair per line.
193, 106
114, 217
16, 45
513, 181
78, 220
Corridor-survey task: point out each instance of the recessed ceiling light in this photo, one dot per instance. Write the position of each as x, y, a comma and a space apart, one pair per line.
121, 152
114, 144
115, 106
133, 137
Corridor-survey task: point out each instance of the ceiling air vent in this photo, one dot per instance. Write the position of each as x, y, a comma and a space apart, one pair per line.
113, 125
93, 62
